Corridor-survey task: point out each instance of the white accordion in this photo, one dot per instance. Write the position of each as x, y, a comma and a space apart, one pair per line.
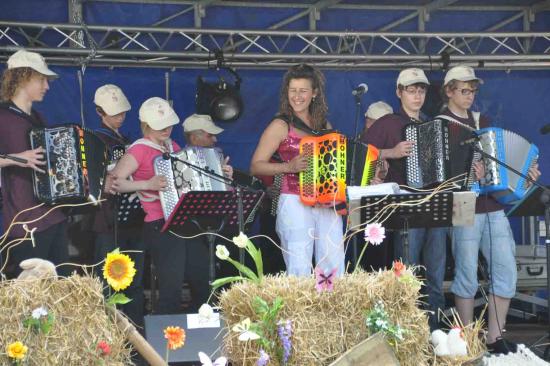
182, 178
503, 184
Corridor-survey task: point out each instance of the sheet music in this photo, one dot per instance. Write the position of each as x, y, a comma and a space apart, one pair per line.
354, 194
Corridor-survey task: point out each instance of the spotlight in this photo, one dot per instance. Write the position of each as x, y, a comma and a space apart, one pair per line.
221, 100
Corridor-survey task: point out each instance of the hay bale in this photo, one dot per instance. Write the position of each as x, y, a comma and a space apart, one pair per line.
81, 321
327, 324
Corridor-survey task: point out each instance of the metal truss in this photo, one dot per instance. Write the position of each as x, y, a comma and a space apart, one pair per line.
155, 46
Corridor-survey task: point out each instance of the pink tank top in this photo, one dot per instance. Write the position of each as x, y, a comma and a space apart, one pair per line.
288, 149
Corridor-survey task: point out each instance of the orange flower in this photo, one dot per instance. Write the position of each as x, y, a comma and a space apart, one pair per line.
175, 337
398, 267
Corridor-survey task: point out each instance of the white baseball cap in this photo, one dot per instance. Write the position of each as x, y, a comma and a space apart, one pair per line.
35, 61
461, 73
111, 99
412, 76
201, 122
158, 114
378, 110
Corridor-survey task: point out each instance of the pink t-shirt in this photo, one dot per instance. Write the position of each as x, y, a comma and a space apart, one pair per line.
145, 156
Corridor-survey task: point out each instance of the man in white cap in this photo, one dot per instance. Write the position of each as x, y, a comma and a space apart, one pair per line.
167, 250
427, 246
200, 130
24, 82
491, 232
376, 111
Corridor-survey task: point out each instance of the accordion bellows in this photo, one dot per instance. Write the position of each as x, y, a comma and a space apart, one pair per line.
75, 164
182, 178
503, 184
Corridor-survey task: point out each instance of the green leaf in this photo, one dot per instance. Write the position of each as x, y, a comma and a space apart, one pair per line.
118, 298
244, 269
256, 255
225, 280
261, 305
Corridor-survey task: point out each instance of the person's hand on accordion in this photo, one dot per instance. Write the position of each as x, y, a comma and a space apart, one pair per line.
401, 150
157, 183
380, 173
297, 164
35, 159
227, 169
479, 169
533, 173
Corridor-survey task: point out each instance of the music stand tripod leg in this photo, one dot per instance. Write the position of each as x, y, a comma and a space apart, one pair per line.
405, 241
212, 259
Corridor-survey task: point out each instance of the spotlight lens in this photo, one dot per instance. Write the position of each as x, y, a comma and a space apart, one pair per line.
226, 108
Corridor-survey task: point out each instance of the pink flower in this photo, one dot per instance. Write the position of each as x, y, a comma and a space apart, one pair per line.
375, 233
398, 267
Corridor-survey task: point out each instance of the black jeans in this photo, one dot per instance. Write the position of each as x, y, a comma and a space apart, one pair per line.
51, 244
168, 256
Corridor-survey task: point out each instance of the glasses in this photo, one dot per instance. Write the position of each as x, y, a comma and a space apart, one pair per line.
467, 92
411, 90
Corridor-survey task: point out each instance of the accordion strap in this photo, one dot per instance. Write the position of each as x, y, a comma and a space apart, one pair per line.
145, 196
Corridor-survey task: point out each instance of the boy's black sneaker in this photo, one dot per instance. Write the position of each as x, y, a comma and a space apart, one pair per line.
502, 346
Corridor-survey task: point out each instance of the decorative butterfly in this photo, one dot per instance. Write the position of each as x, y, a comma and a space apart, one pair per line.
206, 361
324, 282
244, 329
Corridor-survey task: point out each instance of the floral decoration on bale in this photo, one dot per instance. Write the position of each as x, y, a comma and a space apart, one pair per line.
286, 320
65, 321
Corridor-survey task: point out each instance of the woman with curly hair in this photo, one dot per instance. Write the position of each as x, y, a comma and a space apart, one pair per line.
24, 82
303, 229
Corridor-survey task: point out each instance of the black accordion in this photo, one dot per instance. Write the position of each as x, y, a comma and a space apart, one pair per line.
437, 155
128, 206
75, 164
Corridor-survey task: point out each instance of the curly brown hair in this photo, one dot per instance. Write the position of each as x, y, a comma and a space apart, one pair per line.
318, 108
14, 78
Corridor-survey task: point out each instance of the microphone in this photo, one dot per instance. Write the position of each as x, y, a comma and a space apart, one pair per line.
166, 156
469, 141
545, 129
360, 90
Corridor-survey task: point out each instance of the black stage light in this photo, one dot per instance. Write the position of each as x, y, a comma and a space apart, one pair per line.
221, 100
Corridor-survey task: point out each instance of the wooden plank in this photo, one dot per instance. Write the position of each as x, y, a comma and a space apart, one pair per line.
373, 351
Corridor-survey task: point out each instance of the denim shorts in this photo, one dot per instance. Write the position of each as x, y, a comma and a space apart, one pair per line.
491, 233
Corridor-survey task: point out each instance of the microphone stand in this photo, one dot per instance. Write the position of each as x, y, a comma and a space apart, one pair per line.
238, 189
352, 177
545, 200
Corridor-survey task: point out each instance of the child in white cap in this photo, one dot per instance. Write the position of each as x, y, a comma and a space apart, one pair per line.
25, 82
427, 246
491, 233
167, 250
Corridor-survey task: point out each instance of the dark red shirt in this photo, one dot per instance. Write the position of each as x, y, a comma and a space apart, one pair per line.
17, 182
104, 216
385, 133
484, 203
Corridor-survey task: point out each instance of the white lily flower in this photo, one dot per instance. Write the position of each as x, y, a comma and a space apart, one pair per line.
206, 312
241, 241
39, 312
222, 252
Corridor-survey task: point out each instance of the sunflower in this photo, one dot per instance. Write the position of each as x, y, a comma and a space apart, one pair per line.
175, 337
118, 270
17, 350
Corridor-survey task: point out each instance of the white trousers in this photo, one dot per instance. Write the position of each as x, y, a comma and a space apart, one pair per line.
304, 228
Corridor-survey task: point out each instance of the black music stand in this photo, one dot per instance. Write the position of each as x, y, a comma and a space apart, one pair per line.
437, 212
212, 211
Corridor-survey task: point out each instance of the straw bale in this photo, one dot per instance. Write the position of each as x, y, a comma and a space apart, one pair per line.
327, 324
81, 321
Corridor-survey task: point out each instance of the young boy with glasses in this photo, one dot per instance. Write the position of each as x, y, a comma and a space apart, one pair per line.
427, 246
491, 232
